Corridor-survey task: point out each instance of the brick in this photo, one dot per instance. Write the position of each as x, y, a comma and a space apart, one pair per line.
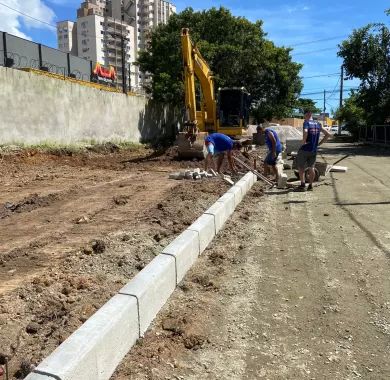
205, 226
94, 350
152, 287
185, 250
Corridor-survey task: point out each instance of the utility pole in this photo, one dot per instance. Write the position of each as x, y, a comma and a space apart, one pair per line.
341, 94
323, 116
324, 101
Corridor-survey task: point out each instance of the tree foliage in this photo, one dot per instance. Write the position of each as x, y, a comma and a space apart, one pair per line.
351, 114
366, 55
237, 52
303, 104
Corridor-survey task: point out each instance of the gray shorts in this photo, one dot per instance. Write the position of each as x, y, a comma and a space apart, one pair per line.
306, 159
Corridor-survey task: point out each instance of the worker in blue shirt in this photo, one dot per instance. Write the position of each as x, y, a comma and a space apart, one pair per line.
217, 144
307, 154
274, 149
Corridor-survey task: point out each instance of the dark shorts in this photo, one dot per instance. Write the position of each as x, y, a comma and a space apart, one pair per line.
306, 159
269, 160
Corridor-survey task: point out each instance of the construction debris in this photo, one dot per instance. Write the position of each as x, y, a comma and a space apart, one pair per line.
339, 169
195, 174
228, 179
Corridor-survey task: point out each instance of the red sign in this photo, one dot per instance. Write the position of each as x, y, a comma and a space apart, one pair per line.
104, 72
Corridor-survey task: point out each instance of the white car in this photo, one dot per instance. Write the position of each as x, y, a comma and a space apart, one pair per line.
334, 130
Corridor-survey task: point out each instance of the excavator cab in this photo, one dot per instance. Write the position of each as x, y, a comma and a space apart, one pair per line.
233, 110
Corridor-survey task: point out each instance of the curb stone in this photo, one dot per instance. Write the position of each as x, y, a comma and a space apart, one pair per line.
94, 350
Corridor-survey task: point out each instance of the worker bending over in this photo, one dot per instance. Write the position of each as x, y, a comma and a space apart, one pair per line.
274, 149
307, 153
218, 144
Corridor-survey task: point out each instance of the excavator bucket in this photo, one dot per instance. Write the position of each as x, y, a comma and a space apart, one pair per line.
191, 146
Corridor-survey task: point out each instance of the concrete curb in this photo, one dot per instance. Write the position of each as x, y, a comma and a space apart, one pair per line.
94, 350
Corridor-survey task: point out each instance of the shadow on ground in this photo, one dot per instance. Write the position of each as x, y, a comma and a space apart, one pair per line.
343, 147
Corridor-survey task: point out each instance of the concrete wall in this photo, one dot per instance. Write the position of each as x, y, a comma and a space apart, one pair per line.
35, 109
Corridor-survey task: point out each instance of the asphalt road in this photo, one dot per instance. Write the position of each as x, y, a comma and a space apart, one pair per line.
301, 287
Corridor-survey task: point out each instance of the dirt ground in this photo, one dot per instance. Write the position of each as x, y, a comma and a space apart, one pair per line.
75, 227
296, 286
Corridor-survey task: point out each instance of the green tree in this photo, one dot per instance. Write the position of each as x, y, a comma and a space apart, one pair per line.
237, 52
351, 114
366, 55
307, 104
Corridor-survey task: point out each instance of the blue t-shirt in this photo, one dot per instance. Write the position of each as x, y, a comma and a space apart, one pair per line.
278, 144
313, 130
220, 141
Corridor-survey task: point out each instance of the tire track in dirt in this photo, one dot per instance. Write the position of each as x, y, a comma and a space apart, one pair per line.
33, 239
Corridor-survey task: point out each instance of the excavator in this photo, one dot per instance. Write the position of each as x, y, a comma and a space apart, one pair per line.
226, 112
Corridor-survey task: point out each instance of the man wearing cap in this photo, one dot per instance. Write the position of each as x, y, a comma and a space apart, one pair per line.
218, 144
307, 153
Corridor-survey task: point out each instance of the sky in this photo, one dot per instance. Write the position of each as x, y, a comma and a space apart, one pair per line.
293, 23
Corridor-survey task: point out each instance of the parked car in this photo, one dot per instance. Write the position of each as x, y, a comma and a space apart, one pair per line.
344, 131
334, 129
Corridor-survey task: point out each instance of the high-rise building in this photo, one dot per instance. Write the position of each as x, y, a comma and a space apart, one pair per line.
67, 37
143, 15
107, 30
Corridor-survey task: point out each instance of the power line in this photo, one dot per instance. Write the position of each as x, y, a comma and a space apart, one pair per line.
26, 15
321, 92
338, 81
321, 75
321, 40
314, 51
328, 89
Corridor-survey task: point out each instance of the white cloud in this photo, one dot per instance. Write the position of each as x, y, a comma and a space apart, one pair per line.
12, 21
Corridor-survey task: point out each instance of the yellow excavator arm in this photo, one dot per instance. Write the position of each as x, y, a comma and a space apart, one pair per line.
232, 105
195, 66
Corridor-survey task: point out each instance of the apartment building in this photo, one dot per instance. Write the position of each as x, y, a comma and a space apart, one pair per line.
67, 37
143, 15
106, 30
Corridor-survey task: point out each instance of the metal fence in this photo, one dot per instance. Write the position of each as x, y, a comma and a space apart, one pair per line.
16, 52
379, 134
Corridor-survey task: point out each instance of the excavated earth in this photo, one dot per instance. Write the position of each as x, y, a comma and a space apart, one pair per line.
75, 227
